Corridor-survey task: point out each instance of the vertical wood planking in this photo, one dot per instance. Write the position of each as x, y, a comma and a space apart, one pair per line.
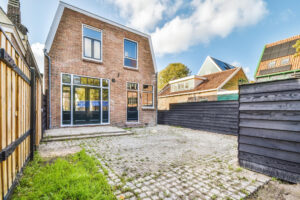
3, 118
15, 98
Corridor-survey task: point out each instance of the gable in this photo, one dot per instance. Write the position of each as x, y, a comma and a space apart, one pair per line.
58, 16
233, 83
208, 67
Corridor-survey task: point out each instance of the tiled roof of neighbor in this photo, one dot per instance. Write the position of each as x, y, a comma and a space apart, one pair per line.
213, 81
223, 65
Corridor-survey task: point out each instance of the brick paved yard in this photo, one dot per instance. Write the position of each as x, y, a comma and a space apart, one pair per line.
166, 162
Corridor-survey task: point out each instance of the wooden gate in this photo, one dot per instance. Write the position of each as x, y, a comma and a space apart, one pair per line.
20, 114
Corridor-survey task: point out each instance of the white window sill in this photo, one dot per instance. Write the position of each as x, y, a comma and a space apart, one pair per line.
92, 60
131, 68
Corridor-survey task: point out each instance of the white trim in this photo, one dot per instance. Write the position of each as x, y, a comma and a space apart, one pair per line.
137, 55
195, 92
59, 13
215, 63
101, 43
230, 77
222, 92
187, 78
138, 97
72, 93
208, 58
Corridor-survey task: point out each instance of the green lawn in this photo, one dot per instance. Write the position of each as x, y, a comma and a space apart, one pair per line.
72, 177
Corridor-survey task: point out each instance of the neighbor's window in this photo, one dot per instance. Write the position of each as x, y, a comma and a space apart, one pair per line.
272, 64
147, 96
130, 53
285, 61
92, 43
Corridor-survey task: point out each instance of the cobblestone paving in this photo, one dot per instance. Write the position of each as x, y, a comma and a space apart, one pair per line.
166, 162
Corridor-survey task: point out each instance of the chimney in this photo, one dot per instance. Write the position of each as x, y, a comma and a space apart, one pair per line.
14, 14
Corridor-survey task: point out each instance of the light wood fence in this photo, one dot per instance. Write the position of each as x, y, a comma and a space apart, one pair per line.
20, 114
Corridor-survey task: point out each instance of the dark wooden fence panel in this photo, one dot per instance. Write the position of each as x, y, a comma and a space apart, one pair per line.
44, 113
215, 116
269, 128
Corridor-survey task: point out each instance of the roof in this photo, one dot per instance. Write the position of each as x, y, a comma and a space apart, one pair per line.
214, 81
280, 48
59, 13
223, 65
187, 78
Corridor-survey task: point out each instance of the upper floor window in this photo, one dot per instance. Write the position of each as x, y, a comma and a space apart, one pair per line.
272, 64
130, 53
92, 43
285, 61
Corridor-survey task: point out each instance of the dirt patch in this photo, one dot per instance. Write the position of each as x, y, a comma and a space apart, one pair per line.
277, 190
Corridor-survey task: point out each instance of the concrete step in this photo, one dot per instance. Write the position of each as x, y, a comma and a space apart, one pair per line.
85, 136
82, 134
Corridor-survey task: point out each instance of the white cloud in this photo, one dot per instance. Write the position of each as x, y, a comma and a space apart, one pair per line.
209, 19
38, 51
144, 15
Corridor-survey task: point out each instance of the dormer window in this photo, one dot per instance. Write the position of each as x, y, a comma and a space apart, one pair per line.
285, 61
272, 64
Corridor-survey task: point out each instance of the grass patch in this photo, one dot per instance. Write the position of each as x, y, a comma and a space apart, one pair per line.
72, 177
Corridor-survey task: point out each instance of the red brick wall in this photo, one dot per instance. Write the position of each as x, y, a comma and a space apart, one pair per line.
66, 57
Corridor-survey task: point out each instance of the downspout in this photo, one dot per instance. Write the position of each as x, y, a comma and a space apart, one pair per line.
156, 97
49, 85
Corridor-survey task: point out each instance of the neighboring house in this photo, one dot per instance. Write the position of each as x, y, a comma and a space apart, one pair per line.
278, 61
10, 22
212, 65
217, 86
101, 72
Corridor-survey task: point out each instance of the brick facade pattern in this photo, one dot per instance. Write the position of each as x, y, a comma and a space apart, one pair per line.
66, 57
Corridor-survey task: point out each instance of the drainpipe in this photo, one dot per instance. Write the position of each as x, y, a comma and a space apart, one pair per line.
49, 85
156, 97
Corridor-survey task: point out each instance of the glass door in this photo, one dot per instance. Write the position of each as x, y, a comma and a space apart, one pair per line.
80, 105
132, 106
94, 105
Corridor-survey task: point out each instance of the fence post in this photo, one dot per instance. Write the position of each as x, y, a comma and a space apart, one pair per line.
32, 113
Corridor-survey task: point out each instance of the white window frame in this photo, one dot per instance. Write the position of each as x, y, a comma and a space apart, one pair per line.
137, 55
148, 107
101, 44
72, 85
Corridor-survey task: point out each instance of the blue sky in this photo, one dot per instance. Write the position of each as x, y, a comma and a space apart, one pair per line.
234, 31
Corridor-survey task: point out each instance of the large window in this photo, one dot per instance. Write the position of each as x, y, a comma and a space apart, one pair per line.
92, 43
130, 54
147, 96
85, 100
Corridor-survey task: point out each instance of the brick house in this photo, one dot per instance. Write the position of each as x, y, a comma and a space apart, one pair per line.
278, 61
100, 72
215, 81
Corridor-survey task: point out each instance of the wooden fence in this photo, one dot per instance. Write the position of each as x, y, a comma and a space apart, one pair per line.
269, 128
20, 114
215, 116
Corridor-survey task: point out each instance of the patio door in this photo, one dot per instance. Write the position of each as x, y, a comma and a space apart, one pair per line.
86, 105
